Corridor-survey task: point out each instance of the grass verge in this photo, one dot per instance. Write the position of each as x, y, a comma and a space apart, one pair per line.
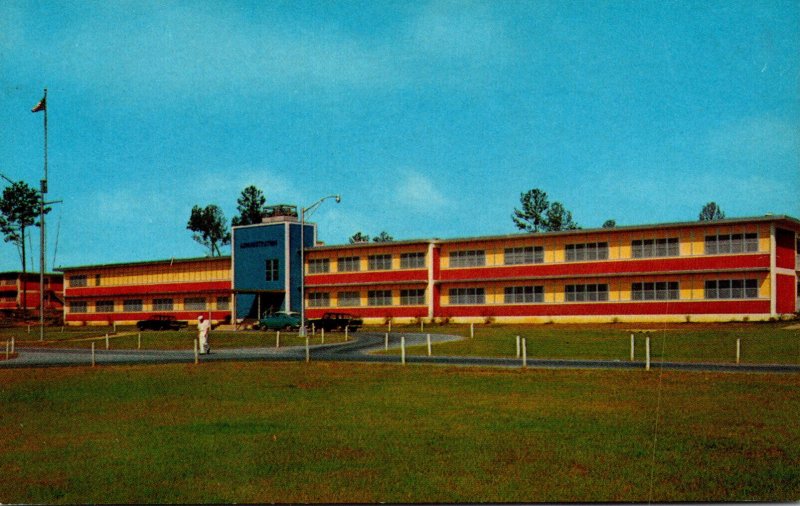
332, 432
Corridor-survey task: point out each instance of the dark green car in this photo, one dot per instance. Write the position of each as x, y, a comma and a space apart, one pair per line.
280, 320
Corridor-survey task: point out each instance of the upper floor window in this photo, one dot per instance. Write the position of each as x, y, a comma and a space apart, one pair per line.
413, 297
97, 280
468, 258
349, 264
524, 255
731, 243
587, 251
659, 290
319, 265
646, 248
272, 270
467, 296
523, 294
77, 280
412, 260
379, 298
379, 262
731, 289
319, 299
582, 293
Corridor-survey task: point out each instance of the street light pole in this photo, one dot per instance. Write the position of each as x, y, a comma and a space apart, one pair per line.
310, 209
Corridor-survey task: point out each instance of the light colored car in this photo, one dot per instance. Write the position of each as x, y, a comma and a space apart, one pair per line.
280, 320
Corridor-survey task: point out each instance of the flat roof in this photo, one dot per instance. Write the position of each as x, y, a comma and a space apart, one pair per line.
146, 262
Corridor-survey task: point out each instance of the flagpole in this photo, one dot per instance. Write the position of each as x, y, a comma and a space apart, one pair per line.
42, 235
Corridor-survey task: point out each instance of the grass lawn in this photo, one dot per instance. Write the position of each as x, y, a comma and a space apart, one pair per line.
334, 432
760, 342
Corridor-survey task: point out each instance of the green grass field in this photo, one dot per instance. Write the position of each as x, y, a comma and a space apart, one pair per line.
333, 432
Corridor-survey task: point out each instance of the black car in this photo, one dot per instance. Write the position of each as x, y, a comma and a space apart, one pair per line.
336, 321
161, 322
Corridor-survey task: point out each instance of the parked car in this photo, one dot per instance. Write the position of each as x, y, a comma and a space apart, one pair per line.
280, 320
336, 321
161, 322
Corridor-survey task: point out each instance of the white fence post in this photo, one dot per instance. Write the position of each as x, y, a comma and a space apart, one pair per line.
390, 325
93, 362
471, 330
524, 352
346, 333
277, 338
106, 341
738, 349
518, 349
647, 353
429, 345
139, 341
632, 347
422, 325
12, 345
386, 342
402, 349
313, 330
308, 351
196, 356
322, 333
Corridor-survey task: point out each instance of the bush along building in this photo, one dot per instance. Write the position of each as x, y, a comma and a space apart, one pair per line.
732, 269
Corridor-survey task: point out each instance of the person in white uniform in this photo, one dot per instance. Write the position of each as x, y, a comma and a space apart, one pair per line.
203, 328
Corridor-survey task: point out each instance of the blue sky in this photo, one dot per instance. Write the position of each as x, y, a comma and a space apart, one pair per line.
430, 118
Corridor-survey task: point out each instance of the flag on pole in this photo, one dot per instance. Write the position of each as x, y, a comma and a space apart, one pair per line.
41, 106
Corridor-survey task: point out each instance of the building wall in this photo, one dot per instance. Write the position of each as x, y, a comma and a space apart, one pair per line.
127, 293
14, 297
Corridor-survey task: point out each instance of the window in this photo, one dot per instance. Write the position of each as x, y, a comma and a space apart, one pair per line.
97, 280
319, 265
524, 255
104, 306
587, 251
349, 299
379, 298
731, 243
78, 306
467, 296
646, 248
660, 290
319, 299
162, 304
412, 260
131, 305
223, 303
524, 294
470, 258
414, 297
379, 262
349, 264
586, 293
194, 303
77, 281
272, 269
732, 289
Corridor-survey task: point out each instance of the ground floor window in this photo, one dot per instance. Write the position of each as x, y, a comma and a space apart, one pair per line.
467, 296
660, 290
132, 305
379, 298
586, 293
162, 304
194, 303
414, 297
731, 289
104, 306
319, 299
223, 303
523, 294
78, 306
349, 299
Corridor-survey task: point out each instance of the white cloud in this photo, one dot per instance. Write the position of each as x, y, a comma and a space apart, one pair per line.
418, 192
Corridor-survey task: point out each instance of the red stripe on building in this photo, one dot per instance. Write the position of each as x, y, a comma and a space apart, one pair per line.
613, 308
633, 267
347, 278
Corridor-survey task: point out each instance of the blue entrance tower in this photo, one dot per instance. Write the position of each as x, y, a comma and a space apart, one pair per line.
266, 263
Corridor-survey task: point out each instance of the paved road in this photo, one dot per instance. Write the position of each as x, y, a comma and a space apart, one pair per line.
358, 350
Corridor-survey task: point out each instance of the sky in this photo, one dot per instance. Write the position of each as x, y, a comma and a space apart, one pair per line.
429, 118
